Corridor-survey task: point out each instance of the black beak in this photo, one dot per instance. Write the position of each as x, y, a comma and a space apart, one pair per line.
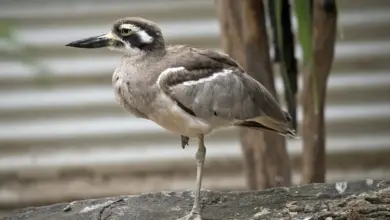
92, 42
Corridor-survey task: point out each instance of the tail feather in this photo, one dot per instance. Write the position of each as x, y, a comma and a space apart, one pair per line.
283, 130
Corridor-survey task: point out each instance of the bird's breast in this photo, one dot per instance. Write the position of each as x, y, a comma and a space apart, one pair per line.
132, 94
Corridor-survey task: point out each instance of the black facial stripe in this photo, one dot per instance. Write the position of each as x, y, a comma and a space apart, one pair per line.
136, 42
147, 28
142, 26
134, 39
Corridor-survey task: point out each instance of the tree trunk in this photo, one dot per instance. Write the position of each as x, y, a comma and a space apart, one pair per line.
324, 33
229, 12
244, 37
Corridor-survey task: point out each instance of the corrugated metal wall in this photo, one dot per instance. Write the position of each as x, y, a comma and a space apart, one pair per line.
62, 136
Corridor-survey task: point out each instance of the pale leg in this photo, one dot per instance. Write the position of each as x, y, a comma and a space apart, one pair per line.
200, 158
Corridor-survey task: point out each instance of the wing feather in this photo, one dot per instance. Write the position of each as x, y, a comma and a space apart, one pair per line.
211, 84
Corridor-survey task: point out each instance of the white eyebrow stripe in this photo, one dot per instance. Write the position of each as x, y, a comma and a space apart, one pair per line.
145, 37
129, 26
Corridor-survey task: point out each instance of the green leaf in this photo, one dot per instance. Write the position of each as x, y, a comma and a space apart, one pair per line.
6, 29
304, 19
19, 49
303, 14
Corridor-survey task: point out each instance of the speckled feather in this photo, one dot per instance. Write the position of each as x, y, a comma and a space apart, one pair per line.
186, 90
227, 99
174, 84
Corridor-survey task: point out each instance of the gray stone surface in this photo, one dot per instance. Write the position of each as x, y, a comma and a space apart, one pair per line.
366, 199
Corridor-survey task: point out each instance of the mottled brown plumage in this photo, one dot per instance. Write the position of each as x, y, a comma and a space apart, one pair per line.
235, 97
186, 90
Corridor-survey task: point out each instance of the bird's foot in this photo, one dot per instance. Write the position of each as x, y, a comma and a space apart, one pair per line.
191, 216
184, 141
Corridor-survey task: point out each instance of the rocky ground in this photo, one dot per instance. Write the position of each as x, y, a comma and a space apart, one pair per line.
367, 199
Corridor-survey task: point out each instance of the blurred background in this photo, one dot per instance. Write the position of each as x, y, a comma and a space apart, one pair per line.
63, 137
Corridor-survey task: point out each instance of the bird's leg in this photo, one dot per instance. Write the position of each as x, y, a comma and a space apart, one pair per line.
200, 158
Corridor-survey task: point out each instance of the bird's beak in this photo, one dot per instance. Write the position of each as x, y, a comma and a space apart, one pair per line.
94, 42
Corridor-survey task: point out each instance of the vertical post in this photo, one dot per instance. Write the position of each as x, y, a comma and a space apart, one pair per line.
314, 134
244, 37
229, 12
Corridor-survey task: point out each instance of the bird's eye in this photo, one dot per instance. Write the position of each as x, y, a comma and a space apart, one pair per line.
125, 32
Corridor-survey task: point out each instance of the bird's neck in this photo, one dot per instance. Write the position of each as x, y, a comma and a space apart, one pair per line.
146, 55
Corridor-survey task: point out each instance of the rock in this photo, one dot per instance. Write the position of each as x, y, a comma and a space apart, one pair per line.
347, 200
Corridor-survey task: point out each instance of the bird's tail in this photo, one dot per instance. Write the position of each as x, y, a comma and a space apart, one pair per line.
268, 124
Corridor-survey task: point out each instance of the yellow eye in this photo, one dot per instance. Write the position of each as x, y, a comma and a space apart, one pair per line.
125, 32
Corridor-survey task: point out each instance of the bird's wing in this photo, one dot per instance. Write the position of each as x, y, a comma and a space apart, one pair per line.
210, 84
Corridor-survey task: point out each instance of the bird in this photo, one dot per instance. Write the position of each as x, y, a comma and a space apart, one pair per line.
188, 91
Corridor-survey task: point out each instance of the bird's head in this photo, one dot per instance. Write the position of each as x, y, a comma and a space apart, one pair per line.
133, 36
